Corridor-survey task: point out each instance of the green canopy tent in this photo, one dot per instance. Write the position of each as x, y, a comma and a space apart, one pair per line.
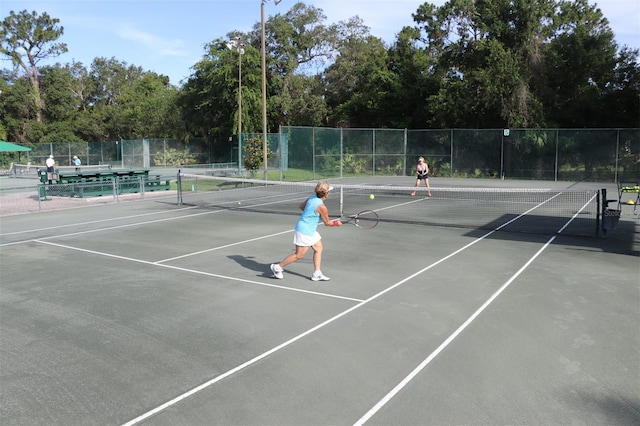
12, 147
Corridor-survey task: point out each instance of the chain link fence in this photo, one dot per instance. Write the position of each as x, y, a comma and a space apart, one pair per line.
606, 155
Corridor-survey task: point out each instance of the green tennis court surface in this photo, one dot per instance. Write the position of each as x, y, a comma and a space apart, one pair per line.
161, 313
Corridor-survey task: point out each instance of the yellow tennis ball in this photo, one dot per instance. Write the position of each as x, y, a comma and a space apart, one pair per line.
239, 203
631, 202
372, 196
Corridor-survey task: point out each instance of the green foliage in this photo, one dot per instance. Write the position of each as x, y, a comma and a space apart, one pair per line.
392, 169
62, 131
27, 38
173, 157
330, 161
253, 154
442, 169
292, 175
59, 102
358, 83
353, 164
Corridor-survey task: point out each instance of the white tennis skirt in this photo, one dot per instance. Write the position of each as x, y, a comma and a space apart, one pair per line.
303, 240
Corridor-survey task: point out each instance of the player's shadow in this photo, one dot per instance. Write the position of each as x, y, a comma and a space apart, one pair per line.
262, 268
251, 264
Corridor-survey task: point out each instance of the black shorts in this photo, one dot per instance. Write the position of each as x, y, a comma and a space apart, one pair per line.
50, 170
422, 177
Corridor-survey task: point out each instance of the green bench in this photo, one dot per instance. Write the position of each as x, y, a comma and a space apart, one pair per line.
96, 183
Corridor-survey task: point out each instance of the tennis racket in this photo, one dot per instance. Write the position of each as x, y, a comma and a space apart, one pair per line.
367, 219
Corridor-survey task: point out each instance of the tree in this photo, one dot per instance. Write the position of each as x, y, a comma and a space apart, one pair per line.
17, 107
57, 95
517, 63
125, 101
253, 154
296, 42
356, 83
146, 107
298, 45
415, 79
27, 38
579, 70
621, 96
486, 53
208, 99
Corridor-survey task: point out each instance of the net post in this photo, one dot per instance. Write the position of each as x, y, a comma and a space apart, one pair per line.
179, 188
341, 201
598, 209
602, 211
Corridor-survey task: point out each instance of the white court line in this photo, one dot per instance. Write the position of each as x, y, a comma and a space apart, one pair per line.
223, 247
460, 329
446, 343
122, 226
311, 330
94, 222
128, 225
193, 271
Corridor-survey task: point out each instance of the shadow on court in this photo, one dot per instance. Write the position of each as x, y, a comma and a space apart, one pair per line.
623, 239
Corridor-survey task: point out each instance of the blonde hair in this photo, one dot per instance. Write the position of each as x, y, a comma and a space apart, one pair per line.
322, 189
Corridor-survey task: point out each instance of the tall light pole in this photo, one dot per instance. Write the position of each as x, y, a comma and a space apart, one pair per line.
238, 44
264, 89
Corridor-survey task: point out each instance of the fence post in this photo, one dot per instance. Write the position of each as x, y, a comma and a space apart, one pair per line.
179, 188
373, 152
341, 150
451, 153
599, 196
404, 162
555, 173
617, 153
502, 156
280, 152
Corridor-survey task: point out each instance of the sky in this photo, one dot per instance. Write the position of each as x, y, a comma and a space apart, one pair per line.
168, 36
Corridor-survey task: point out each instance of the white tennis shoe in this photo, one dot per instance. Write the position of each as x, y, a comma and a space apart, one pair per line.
318, 276
277, 271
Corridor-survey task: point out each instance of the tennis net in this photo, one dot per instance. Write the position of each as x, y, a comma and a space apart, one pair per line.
530, 210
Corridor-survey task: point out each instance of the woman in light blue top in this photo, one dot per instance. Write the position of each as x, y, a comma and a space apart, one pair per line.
306, 233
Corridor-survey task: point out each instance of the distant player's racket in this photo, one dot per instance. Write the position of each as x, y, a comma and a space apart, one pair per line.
367, 219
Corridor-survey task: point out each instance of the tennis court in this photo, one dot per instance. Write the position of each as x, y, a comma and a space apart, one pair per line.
164, 311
